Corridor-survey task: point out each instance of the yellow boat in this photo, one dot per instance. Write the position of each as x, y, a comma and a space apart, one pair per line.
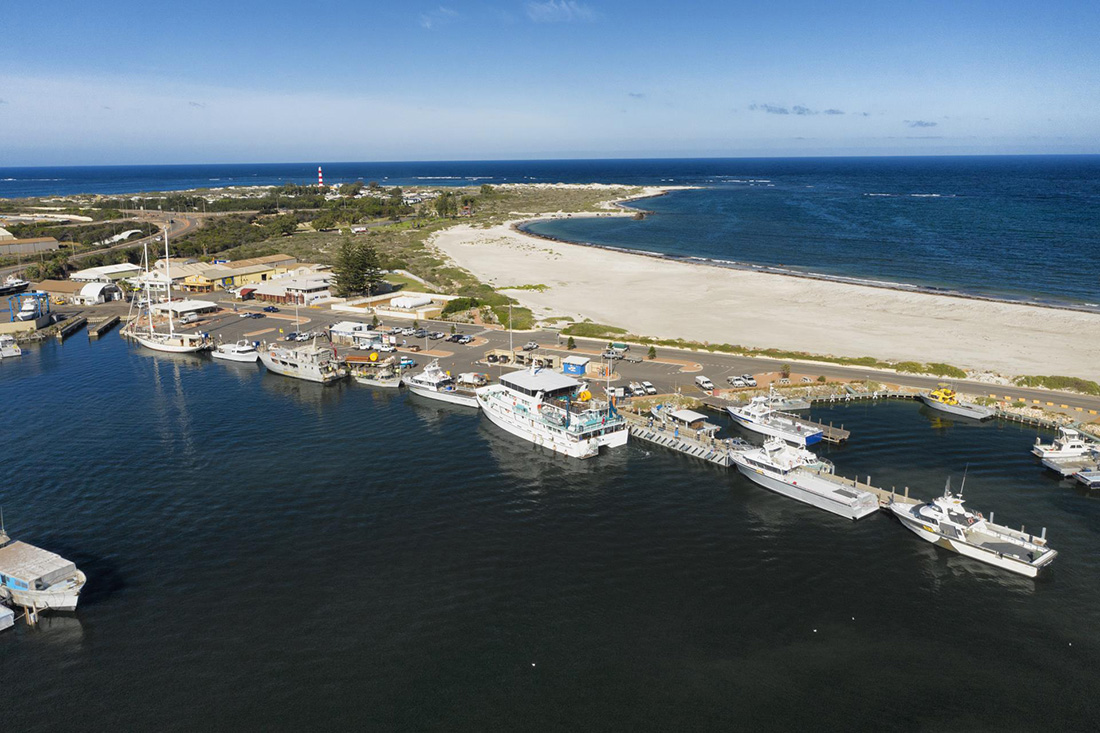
947, 400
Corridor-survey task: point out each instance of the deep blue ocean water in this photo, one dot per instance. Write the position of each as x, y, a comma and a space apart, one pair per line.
268, 554
1023, 227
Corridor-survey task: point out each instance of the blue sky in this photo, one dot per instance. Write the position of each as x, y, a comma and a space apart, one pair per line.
129, 82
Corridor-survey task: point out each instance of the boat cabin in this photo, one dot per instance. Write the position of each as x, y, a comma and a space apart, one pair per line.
26, 567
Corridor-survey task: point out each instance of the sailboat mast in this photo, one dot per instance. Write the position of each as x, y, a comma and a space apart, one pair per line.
168, 277
148, 290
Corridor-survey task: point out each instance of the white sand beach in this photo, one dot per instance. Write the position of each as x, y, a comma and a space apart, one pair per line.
668, 299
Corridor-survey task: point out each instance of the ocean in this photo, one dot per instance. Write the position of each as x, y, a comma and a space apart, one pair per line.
269, 554
1022, 228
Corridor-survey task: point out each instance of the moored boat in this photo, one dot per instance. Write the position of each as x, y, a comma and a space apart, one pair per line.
374, 373
947, 400
13, 285
760, 417
242, 351
8, 347
946, 522
1069, 444
436, 384
310, 362
35, 578
552, 410
801, 475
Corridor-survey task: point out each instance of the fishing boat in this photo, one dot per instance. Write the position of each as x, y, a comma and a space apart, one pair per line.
145, 332
28, 310
946, 522
1069, 444
375, 373
554, 411
310, 362
801, 475
8, 347
37, 579
436, 384
760, 417
243, 351
947, 400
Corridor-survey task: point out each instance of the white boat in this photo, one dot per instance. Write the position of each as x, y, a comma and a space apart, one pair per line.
146, 334
8, 347
799, 474
436, 384
947, 400
28, 311
310, 362
552, 410
1069, 444
243, 351
13, 285
760, 417
947, 523
7, 618
38, 579
1090, 478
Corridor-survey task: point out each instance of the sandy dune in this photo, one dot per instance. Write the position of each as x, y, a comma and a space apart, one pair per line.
672, 299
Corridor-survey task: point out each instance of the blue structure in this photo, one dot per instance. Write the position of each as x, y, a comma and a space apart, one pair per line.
41, 305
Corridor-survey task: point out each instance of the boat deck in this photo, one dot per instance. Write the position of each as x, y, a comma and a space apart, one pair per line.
854, 484
1070, 466
829, 433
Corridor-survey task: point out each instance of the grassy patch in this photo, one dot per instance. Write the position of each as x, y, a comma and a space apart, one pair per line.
1063, 384
593, 330
539, 288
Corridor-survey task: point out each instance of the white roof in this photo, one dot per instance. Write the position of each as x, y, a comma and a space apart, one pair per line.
350, 327
582, 360
280, 286
29, 563
688, 416
545, 380
105, 272
185, 306
94, 290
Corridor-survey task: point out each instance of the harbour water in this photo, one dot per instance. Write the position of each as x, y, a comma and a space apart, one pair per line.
1019, 227
265, 553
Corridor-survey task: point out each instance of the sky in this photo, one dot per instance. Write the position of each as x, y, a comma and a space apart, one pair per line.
276, 81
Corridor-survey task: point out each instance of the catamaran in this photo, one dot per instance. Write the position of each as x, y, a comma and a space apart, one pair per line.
946, 522
436, 384
146, 333
760, 417
947, 400
799, 474
553, 410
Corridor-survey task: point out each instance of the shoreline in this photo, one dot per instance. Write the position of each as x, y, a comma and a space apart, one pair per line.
521, 228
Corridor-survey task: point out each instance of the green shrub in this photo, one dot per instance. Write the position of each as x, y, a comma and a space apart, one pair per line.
459, 304
945, 370
593, 330
1065, 384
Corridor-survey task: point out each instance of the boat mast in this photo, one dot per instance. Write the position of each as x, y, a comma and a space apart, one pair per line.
148, 291
168, 277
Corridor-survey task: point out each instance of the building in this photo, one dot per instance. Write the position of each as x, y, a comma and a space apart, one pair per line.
575, 365
241, 273
353, 333
32, 245
106, 273
183, 307
97, 293
59, 290
303, 289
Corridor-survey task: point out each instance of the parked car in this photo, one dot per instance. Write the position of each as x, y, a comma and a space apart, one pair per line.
395, 330
750, 381
736, 381
611, 354
435, 335
530, 345
492, 358
466, 340
421, 333
386, 348
806, 380
784, 380
406, 362
649, 388
637, 389
190, 318
292, 336
413, 347
454, 337
704, 384
270, 309
408, 331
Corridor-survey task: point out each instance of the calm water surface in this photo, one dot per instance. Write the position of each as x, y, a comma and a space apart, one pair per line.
266, 554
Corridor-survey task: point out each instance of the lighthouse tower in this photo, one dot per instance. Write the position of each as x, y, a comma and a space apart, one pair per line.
320, 178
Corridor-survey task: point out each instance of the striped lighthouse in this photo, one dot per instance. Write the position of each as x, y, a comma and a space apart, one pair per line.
320, 178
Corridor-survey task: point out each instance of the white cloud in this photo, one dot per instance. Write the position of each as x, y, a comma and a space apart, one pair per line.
559, 11
437, 17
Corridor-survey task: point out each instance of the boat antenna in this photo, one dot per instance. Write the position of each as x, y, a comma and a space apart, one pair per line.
963, 486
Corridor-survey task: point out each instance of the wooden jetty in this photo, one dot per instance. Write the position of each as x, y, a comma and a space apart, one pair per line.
683, 440
103, 327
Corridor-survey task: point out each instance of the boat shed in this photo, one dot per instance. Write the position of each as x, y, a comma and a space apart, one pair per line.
183, 307
576, 365
26, 567
97, 293
688, 418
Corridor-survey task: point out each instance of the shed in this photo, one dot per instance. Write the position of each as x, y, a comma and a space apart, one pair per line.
410, 301
688, 418
182, 307
575, 364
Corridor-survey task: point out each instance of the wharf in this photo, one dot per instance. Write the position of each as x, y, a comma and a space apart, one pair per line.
97, 330
1070, 466
69, 327
885, 497
683, 440
829, 433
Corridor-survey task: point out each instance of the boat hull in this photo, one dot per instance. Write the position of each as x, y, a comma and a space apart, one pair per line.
798, 493
296, 373
386, 383
973, 412
249, 358
61, 597
975, 552
454, 398
168, 346
797, 439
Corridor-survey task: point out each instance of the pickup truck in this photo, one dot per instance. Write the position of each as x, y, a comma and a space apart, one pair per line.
530, 345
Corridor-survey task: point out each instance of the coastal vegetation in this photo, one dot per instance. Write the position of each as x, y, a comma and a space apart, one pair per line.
1061, 384
356, 268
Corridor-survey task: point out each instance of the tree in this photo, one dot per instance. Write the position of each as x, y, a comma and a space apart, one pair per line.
486, 189
416, 323
356, 268
454, 330
785, 371
374, 321
652, 353
445, 205
571, 344
326, 220
351, 189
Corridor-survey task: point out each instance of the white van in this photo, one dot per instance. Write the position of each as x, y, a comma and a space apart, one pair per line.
190, 318
704, 384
